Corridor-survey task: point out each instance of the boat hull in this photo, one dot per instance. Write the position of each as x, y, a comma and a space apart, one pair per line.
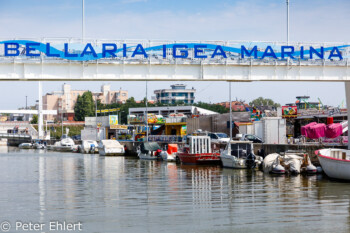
147, 156
232, 162
111, 152
333, 167
204, 158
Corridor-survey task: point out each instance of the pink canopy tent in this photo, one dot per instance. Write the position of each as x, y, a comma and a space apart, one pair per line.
316, 131
304, 129
334, 130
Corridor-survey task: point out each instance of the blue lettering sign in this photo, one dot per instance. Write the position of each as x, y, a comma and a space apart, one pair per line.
184, 53
246, 51
335, 53
288, 53
124, 50
29, 49
66, 52
8, 49
164, 51
48, 53
314, 51
199, 49
137, 52
219, 52
106, 51
269, 53
85, 51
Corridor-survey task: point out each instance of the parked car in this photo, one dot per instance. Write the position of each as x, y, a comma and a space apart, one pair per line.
219, 137
76, 137
251, 137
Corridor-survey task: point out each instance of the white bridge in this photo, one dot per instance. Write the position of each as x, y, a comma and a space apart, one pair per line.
73, 59
50, 59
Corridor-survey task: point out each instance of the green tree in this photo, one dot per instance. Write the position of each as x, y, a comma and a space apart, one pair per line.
212, 107
263, 102
84, 107
34, 119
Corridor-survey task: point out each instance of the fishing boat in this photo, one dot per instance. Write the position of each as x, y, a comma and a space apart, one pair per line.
149, 151
335, 163
239, 154
198, 151
110, 147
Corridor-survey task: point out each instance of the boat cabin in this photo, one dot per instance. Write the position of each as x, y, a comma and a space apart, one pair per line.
240, 149
198, 144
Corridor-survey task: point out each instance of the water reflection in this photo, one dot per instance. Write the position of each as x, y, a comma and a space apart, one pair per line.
118, 194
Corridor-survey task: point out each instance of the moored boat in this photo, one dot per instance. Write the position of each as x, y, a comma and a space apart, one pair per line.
198, 151
25, 145
110, 147
65, 144
239, 154
335, 163
88, 147
149, 151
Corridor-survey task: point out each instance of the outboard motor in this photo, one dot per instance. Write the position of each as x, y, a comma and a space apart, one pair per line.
250, 161
92, 148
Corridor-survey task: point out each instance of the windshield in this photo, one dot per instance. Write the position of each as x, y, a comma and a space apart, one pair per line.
241, 150
222, 135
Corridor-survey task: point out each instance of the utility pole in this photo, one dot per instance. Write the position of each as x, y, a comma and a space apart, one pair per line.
83, 22
230, 112
146, 113
287, 22
96, 117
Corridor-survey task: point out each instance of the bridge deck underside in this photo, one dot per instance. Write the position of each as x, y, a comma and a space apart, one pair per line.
191, 72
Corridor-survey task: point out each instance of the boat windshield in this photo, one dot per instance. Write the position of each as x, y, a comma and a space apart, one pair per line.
222, 135
64, 136
241, 150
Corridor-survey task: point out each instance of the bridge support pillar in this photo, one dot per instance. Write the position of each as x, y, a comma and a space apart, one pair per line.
40, 115
347, 94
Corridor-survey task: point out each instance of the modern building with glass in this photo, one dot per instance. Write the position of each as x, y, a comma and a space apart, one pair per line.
177, 93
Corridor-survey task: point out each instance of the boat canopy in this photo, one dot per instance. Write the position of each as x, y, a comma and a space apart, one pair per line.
149, 146
111, 143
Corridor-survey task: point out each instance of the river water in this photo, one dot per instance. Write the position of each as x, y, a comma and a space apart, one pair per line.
119, 194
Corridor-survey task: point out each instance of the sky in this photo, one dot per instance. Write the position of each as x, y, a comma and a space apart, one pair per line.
248, 20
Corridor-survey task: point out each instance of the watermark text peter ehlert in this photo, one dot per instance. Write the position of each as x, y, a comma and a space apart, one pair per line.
51, 226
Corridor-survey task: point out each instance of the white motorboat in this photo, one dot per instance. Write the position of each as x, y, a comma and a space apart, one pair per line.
110, 147
25, 145
65, 144
149, 151
88, 147
38, 145
239, 154
335, 163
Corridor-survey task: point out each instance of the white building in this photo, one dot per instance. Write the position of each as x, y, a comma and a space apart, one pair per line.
178, 92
